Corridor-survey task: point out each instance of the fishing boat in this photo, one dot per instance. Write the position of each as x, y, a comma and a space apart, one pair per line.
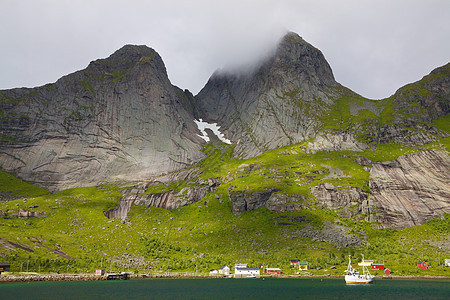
353, 277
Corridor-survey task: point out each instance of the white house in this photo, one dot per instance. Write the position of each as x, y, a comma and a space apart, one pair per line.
213, 273
246, 272
447, 262
224, 270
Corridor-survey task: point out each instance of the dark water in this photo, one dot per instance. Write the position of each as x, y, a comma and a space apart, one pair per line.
227, 289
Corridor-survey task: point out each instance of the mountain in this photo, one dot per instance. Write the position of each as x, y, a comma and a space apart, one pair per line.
275, 104
120, 119
314, 171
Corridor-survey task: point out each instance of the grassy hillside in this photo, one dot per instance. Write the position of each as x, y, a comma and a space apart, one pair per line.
75, 235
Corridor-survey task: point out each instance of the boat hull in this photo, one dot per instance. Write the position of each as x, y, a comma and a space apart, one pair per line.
358, 280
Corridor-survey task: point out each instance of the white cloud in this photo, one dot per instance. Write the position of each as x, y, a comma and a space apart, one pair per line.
373, 47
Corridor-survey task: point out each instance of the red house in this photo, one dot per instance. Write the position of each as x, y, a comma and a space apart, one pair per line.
423, 265
273, 270
387, 272
377, 266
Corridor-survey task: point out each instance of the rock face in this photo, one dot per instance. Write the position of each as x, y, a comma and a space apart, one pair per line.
168, 200
352, 201
411, 190
246, 201
276, 104
118, 119
336, 142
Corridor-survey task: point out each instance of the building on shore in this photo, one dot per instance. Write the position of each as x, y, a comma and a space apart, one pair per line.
273, 270
224, 270
303, 265
447, 262
4, 267
294, 262
378, 266
423, 265
100, 272
247, 273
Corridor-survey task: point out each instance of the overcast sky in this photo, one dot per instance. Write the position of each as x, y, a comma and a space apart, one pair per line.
374, 47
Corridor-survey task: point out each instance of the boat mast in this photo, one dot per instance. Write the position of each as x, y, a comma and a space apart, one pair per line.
349, 267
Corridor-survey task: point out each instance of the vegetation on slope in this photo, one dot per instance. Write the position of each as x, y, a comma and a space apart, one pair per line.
75, 235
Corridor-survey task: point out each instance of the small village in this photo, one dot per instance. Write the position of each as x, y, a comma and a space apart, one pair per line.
241, 270
300, 268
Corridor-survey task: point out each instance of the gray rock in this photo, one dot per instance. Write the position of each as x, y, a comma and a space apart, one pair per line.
120, 118
412, 191
274, 105
350, 201
246, 201
169, 200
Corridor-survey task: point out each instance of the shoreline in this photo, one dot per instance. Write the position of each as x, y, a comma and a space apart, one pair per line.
11, 278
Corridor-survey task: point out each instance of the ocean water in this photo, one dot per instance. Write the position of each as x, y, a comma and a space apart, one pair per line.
269, 288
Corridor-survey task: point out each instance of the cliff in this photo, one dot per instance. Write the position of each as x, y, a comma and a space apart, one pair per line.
275, 104
120, 119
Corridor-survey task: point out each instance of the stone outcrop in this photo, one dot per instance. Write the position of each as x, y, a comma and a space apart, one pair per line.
411, 190
242, 201
119, 119
25, 214
350, 202
168, 200
336, 142
22, 214
281, 202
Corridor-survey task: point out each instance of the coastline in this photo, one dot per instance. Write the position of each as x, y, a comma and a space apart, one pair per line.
11, 278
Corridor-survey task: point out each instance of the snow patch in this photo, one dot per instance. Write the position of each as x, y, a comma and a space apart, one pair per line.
213, 127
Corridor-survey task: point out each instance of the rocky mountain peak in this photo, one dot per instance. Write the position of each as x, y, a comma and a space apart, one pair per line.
261, 109
127, 57
128, 64
295, 55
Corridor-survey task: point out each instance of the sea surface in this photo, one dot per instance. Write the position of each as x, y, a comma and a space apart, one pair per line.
269, 288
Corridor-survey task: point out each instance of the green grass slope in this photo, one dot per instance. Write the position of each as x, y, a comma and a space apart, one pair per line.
75, 235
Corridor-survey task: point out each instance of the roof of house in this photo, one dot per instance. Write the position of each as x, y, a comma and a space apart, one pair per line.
223, 267
248, 269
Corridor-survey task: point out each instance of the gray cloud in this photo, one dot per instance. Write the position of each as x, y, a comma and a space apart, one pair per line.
373, 47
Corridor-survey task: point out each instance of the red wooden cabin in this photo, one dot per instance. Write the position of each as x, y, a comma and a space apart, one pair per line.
377, 267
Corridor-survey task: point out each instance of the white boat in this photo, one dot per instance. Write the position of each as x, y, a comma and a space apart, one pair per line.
353, 277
